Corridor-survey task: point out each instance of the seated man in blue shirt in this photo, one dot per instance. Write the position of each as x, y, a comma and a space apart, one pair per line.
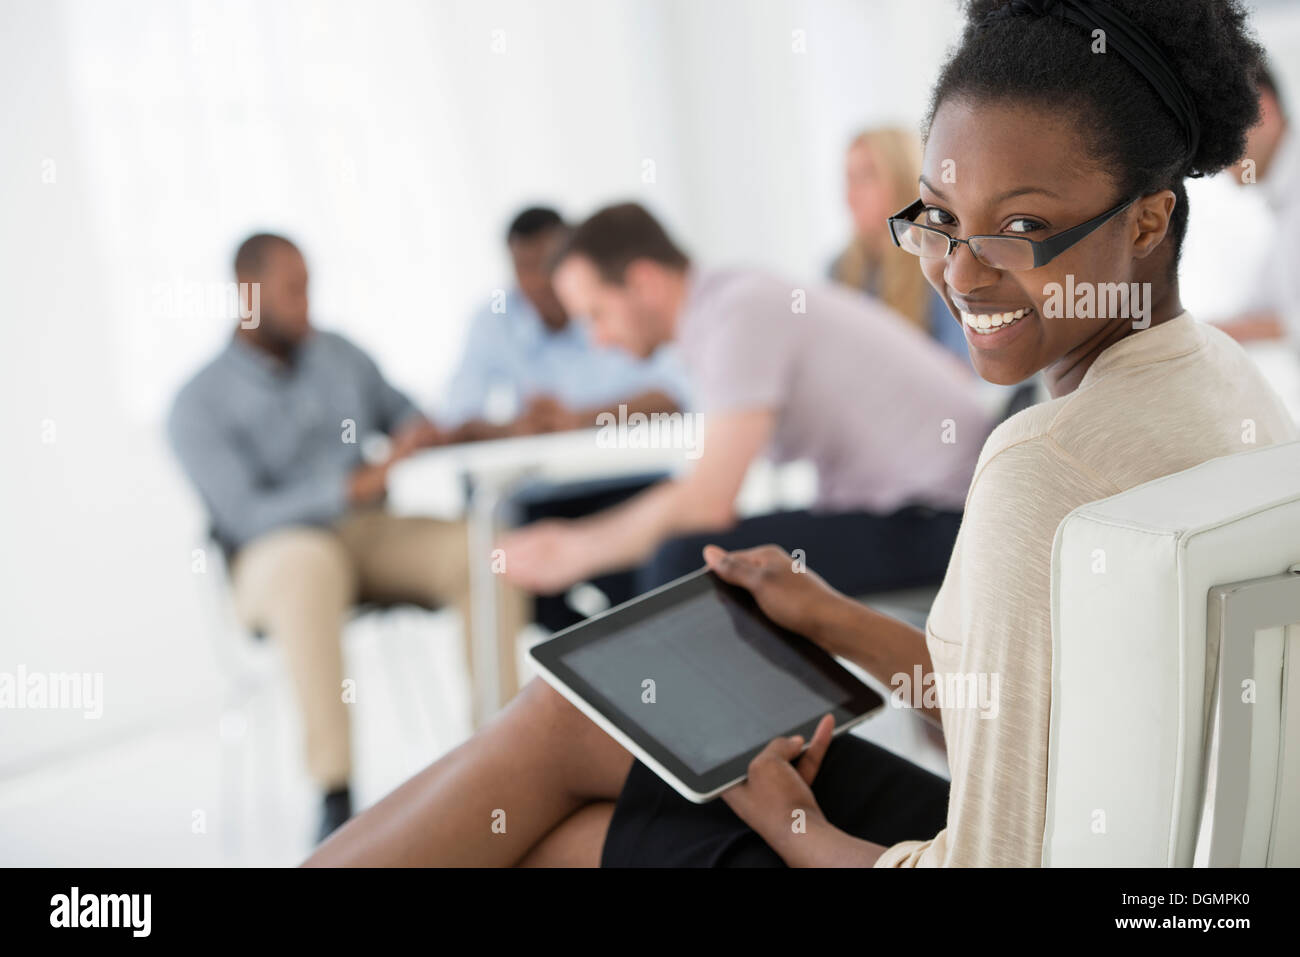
523, 350
270, 432
525, 353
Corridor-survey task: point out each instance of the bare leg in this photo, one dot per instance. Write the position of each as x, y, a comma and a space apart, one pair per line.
492, 799
576, 842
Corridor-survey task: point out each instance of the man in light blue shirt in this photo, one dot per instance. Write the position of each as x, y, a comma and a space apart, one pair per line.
529, 367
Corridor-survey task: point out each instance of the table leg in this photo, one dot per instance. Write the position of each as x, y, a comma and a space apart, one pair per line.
484, 664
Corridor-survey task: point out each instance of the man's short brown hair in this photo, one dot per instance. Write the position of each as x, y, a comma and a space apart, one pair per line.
613, 237
250, 258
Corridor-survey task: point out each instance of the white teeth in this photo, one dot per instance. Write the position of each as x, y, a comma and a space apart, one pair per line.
987, 322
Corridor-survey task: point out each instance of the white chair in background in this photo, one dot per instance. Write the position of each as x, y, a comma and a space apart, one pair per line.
250, 665
1175, 718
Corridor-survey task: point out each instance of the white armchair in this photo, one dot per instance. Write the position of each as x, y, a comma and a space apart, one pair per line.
1175, 722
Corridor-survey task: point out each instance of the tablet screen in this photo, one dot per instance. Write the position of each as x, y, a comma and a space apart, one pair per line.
707, 679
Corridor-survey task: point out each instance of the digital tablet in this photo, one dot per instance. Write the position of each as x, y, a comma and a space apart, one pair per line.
695, 680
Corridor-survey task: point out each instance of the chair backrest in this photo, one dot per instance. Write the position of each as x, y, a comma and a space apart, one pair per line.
1175, 716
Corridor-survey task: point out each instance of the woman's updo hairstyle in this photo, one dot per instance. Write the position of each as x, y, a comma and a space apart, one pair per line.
1030, 51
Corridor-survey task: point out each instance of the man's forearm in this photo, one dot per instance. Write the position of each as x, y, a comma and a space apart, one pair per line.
480, 430
628, 534
881, 645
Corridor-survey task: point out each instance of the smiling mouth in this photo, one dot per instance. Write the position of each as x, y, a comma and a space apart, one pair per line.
984, 323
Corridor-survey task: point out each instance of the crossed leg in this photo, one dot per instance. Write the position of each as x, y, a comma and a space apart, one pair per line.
534, 786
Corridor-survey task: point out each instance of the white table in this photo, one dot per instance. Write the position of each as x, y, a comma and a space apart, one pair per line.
428, 483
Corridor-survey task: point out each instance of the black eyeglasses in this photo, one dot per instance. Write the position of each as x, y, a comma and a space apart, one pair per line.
999, 252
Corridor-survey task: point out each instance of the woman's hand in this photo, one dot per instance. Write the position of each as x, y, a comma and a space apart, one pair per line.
788, 593
777, 801
776, 798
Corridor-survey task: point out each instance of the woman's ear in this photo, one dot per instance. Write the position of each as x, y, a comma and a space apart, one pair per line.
1151, 222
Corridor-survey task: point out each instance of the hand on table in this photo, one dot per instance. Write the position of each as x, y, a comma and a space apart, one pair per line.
368, 484
546, 413
420, 434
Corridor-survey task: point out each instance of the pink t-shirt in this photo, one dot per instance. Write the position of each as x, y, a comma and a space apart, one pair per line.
880, 408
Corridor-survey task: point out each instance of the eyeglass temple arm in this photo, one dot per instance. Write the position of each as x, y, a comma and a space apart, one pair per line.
1048, 249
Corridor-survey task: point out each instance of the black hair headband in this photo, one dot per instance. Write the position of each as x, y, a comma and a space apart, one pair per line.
1130, 41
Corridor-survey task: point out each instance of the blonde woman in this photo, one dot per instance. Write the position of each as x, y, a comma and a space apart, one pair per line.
881, 169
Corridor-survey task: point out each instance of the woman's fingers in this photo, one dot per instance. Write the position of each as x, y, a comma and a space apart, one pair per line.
811, 761
731, 567
779, 749
744, 568
786, 750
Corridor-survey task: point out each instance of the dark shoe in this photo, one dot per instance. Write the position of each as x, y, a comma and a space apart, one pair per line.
335, 811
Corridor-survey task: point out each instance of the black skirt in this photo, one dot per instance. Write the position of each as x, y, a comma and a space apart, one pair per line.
863, 789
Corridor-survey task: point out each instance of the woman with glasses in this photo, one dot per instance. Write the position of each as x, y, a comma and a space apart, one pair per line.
1059, 137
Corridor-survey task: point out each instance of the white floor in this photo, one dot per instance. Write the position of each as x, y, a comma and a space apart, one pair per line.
215, 783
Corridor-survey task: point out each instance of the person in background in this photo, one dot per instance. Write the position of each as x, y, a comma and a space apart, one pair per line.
523, 350
1272, 163
808, 373
880, 170
270, 432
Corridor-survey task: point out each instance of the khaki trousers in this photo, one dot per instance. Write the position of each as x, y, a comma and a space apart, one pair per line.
298, 584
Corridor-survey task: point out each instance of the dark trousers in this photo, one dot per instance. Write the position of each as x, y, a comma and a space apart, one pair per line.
858, 553
862, 789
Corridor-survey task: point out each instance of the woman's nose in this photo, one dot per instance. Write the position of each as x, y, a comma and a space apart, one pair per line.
964, 273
